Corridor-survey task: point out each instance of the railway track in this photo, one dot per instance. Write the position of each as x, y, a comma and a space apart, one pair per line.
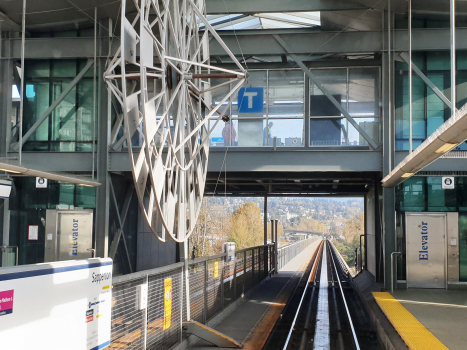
323, 312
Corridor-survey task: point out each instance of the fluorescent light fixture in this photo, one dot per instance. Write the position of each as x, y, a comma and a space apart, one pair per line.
445, 138
446, 148
15, 169
10, 171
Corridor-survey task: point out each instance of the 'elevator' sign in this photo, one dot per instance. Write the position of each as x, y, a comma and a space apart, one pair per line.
423, 253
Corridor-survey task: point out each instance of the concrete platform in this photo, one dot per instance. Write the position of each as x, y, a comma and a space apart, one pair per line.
442, 312
252, 321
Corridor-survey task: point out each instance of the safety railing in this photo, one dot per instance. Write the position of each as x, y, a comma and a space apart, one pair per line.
214, 284
134, 327
287, 253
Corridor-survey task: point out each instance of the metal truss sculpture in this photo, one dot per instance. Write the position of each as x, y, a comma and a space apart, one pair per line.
161, 76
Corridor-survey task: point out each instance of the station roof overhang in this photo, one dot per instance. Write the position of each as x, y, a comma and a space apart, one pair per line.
445, 138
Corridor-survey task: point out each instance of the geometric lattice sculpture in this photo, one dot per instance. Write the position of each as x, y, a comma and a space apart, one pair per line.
161, 76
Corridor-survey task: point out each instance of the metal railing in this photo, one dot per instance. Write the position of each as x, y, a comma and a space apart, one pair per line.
287, 253
133, 328
214, 284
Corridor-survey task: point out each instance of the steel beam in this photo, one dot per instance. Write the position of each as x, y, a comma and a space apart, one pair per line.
257, 43
121, 222
54, 105
453, 55
122, 217
264, 6
60, 48
259, 160
244, 160
331, 98
427, 81
6, 80
265, 220
103, 142
388, 238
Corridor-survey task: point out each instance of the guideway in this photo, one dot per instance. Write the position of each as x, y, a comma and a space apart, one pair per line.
329, 314
312, 303
251, 322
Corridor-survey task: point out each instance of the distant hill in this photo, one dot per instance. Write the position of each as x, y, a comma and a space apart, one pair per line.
288, 210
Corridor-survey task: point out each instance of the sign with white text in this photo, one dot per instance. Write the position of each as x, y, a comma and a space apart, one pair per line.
250, 100
60, 305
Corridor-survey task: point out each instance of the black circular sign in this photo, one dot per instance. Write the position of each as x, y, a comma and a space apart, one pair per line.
40, 180
448, 181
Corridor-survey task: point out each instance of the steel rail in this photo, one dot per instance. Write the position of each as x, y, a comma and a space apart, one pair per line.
345, 302
313, 269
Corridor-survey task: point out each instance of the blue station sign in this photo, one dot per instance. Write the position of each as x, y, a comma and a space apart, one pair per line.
251, 100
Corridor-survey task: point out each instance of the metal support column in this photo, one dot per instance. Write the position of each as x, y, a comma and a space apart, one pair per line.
265, 220
276, 246
186, 272
269, 248
6, 81
103, 176
453, 56
21, 103
306, 138
410, 80
205, 292
272, 231
389, 216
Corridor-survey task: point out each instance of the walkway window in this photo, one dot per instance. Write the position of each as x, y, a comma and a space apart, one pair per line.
356, 90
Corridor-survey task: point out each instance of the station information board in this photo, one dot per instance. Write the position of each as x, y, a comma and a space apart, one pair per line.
60, 305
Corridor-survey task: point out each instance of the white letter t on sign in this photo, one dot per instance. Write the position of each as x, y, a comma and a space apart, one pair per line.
250, 96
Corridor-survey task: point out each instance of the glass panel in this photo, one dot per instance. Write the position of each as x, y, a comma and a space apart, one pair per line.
461, 88
36, 103
440, 199
413, 191
66, 197
369, 125
286, 92
438, 60
84, 127
85, 197
224, 134
463, 247
70, 126
286, 132
38, 69
335, 81
250, 132
437, 111
327, 131
461, 188
402, 112
363, 92
64, 68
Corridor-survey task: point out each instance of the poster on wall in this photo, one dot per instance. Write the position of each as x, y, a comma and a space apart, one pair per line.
33, 232
61, 305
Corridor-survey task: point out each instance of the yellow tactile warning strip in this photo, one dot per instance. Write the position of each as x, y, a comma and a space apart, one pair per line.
415, 335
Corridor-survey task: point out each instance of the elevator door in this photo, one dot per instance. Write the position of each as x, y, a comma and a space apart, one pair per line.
426, 250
